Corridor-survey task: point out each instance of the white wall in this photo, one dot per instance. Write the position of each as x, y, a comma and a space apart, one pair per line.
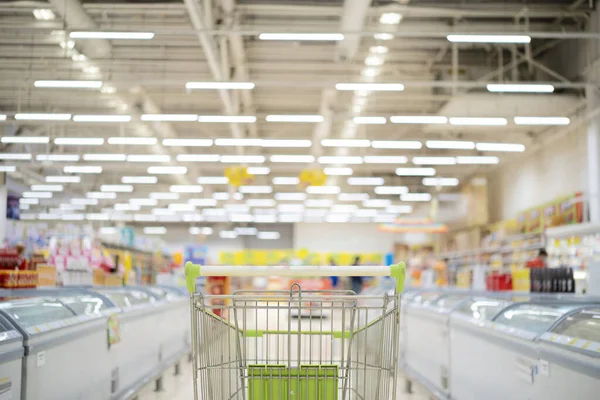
359, 238
558, 169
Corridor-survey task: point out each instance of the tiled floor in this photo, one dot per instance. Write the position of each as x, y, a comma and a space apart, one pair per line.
180, 387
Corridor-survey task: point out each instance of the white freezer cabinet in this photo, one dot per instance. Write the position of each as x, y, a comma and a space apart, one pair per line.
11, 359
81, 345
484, 345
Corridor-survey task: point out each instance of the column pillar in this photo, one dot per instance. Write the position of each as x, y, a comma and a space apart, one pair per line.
3, 196
593, 156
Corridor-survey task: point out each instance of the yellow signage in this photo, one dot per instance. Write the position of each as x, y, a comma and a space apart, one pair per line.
313, 177
238, 176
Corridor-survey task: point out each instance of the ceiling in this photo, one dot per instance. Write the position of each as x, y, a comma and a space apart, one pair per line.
219, 41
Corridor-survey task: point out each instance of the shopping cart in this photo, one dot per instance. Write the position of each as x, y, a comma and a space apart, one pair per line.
256, 351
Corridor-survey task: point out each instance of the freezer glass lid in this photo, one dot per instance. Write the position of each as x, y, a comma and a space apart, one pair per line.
85, 304
425, 298
482, 308
535, 318
33, 312
584, 325
164, 293
449, 301
128, 297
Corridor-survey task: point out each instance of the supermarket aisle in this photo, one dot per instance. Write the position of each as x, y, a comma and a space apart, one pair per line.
180, 387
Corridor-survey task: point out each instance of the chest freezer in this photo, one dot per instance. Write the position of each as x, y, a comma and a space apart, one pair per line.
11, 360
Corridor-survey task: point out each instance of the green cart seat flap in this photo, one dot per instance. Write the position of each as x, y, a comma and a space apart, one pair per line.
278, 382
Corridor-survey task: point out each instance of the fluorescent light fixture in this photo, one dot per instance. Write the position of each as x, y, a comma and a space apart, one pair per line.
101, 195
163, 196
323, 189
353, 196
143, 202
383, 36
2, 117
182, 207
302, 36
126, 207
85, 202
43, 14
520, 88
365, 181
434, 160
369, 120
213, 180
246, 231
337, 218
238, 142
59, 84
478, 121
290, 218
46, 216
315, 212
440, 181
149, 158
111, 35
390, 18
378, 49
47, 188
29, 201
542, 121
371, 87
286, 143
391, 190
374, 60
155, 230
264, 235
415, 171
370, 72
241, 218
416, 197
241, 119
385, 159
418, 119
340, 160
101, 118
396, 144
214, 211
63, 179
377, 203
243, 159
133, 141
170, 170
227, 234
338, 171
121, 217
510, 147
42, 117
365, 213
64, 141
15, 156
37, 195
58, 157
195, 230
220, 196
188, 142
7, 168
290, 196
105, 230
318, 203
186, 188
163, 211
169, 117
345, 143
203, 202
290, 208
82, 169
259, 170
399, 209
72, 207
220, 85
477, 160
198, 157
104, 157
139, 179
286, 180
294, 118
255, 189
265, 219
475, 38
145, 217
260, 203
382, 219
450, 144
292, 158
116, 188
237, 208
25, 139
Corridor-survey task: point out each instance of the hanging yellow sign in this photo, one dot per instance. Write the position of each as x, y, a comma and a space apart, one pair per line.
238, 176
313, 177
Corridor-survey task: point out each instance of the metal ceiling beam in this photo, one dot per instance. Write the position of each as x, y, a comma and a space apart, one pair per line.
353, 18
196, 14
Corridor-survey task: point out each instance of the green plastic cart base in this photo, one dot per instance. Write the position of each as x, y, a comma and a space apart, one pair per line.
278, 382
